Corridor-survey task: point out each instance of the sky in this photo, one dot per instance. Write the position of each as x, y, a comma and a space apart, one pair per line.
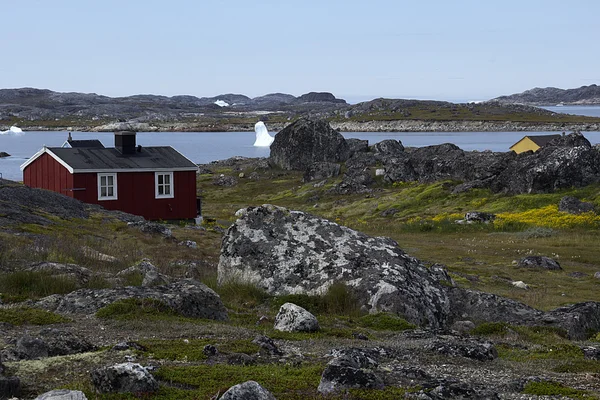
456, 50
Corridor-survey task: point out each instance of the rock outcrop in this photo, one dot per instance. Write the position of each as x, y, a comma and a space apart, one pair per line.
287, 252
249, 390
573, 205
539, 262
124, 378
305, 142
186, 297
350, 369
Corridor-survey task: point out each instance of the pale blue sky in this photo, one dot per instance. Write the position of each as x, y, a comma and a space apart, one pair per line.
447, 50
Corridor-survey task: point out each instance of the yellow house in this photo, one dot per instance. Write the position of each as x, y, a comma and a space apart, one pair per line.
532, 143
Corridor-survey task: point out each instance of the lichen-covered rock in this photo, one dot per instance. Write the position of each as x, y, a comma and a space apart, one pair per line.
288, 252
573, 205
321, 170
249, 390
479, 217
72, 271
267, 344
31, 348
539, 262
62, 394
124, 378
357, 145
152, 228
450, 389
186, 297
577, 320
293, 318
350, 369
481, 351
305, 142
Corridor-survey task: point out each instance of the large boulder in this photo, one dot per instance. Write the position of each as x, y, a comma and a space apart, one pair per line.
288, 252
578, 320
124, 378
321, 170
573, 205
186, 297
249, 390
539, 262
293, 318
307, 141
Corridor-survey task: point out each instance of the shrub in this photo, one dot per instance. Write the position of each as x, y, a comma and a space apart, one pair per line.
238, 295
384, 322
134, 309
549, 388
338, 300
490, 328
22, 285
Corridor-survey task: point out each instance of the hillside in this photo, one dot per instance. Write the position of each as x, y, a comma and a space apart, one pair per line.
550, 96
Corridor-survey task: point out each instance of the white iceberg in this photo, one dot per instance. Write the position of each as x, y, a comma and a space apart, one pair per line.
222, 103
263, 139
14, 130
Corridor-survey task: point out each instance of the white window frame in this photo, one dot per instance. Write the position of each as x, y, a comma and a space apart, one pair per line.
171, 185
102, 175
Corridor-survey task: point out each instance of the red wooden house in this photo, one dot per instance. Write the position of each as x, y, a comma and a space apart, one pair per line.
154, 182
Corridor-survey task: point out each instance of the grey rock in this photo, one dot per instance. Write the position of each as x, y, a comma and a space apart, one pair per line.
577, 320
249, 390
189, 243
151, 276
597, 275
293, 318
267, 344
573, 205
4, 154
32, 348
479, 217
210, 351
225, 180
388, 147
539, 262
463, 327
357, 145
287, 252
10, 386
321, 170
389, 212
186, 297
481, 351
72, 271
123, 378
350, 369
152, 228
240, 359
61, 342
305, 142
122, 346
361, 160
450, 389
591, 352
62, 394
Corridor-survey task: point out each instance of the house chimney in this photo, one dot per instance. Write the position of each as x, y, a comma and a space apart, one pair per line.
125, 142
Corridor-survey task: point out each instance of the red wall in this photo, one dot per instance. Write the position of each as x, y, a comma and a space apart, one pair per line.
47, 173
135, 190
135, 194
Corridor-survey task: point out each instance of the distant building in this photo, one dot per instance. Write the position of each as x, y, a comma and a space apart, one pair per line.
533, 143
154, 182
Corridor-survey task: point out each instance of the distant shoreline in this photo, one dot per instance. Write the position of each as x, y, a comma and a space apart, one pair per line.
350, 126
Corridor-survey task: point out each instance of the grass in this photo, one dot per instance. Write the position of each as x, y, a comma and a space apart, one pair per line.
549, 388
192, 350
23, 285
384, 321
128, 309
30, 316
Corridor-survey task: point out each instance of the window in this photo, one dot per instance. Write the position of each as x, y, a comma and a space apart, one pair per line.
107, 186
163, 184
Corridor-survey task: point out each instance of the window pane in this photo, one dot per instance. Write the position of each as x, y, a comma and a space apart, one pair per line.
167, 179
103, 191
110, 191
160, 190
167, 189
110, 180
103, 181
160, 179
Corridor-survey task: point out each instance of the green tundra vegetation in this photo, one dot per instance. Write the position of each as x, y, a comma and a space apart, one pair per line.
477, 256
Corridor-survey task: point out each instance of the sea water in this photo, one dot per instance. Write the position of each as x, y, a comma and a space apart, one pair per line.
204, 147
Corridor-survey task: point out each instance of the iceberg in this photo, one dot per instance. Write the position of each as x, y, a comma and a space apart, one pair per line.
14, 130
263, 139
222, 103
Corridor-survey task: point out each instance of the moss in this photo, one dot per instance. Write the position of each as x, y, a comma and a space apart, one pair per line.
30, 316
540, 352
192, 349
579, 366
549, 388
490, 328
384, 321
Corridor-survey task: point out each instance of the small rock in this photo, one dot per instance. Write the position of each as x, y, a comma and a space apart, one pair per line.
32, 348
189, 243
463, 327
152, 228
573, 205
249, 390
225, 180
597, 275
210, 351
240, 359
520, 285
267, 344
482, 351
539, 262
359, 336
477, 217
124, 378
293, 318
350, 369
591, 352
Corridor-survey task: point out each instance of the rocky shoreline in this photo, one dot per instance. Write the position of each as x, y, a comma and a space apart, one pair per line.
346, 126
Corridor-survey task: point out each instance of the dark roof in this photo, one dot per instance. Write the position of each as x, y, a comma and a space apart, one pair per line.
95, 143
82, 159
542, 140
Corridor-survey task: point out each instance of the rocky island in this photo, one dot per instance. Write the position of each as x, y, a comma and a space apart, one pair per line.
334, 269
39, 109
